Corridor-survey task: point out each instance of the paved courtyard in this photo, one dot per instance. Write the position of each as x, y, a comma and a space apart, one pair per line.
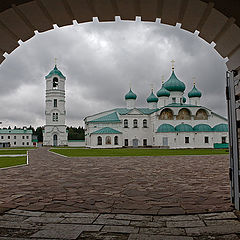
174, 197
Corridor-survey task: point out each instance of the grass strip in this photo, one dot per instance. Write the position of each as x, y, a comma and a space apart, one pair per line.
12, 152
12, 161
136, 152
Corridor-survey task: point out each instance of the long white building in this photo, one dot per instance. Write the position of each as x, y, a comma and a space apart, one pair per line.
170, 121
15, 138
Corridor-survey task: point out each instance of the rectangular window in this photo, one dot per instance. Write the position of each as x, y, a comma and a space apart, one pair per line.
54, 102
27, 137
23, 137
27, 143
14, 137
206, 140
224, 139
22, 143
186, 139
14, 143
144, 142
1, 137
56, 118
173, 100
8, 137
125, 142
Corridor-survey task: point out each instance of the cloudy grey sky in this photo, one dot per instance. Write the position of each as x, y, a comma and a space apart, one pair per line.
100, 61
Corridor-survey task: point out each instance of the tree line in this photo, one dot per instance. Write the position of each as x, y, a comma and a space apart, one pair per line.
74, 133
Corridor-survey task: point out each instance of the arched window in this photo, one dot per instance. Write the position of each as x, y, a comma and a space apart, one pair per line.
166, 114
55, 117
135, 123
116, 140
145, 123
125, 123
184, 114
55, 143
201, 115
99, 140
108, 140
55, 83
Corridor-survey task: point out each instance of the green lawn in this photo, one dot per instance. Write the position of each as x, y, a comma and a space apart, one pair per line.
135, 152
12, 161
12, 152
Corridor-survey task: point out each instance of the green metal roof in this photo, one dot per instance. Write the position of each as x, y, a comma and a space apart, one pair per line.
202, 128
106, 130
174, 84
166, 128
221, 128
55, 71
184, 128
15, 131
146, 111
76, 140
112, 117
130, 95
163, 92
152, 98
194, 92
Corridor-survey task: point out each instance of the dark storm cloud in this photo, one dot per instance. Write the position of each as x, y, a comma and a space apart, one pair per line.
100, 61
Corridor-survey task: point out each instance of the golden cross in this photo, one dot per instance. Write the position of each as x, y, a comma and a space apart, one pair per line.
130, 85
172, 64
152, 86
162, 79
194, 81
55, 61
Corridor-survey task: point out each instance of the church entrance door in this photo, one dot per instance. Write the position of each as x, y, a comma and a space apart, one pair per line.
55, 143
165, 141
135, 142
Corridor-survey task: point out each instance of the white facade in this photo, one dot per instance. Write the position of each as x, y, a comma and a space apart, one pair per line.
168, 122
15, 138
55, 133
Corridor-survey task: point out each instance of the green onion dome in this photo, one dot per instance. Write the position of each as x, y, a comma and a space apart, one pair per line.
194, 92
202, 128
184, 99
220, 128
166, 128
55, 71
184, 128
130, 95
174, 84
163, 92
152, 98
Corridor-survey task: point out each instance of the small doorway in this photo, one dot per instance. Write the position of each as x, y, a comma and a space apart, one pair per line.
55, 140
165, 141
144, 142
135, 142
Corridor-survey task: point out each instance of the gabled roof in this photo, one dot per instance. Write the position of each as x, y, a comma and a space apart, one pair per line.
106, 130
146, 111
112, 117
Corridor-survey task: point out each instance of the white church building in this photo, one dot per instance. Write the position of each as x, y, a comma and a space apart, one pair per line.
169, 121
55, 133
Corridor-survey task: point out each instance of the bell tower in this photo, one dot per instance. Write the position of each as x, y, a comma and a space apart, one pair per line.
55, 133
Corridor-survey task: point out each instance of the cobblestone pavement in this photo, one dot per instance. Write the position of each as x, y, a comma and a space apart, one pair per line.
117, 198
23, 225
